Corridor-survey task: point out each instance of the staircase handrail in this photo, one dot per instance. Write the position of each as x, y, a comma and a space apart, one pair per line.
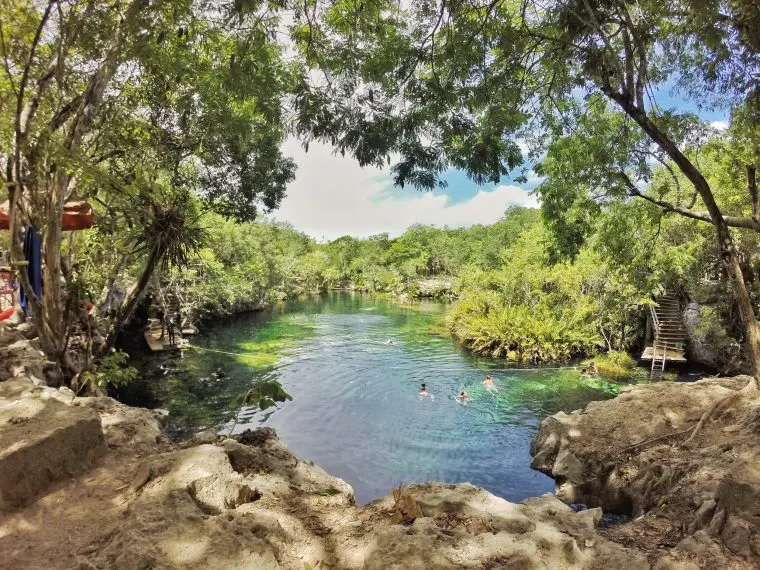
655, 320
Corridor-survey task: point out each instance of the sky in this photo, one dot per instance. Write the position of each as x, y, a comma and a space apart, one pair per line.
333, 196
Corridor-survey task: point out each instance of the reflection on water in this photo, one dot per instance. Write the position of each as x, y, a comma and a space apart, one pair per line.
353, 365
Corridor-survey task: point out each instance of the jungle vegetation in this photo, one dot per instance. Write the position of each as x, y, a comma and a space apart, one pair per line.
168, 117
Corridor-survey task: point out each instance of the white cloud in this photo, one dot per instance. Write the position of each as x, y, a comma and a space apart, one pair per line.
333, 196
719, 125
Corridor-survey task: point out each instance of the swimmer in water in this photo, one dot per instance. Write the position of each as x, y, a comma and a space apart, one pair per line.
423, 391
489, 384
463, 396
390, 341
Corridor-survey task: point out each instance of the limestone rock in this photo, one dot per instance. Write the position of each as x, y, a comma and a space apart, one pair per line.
42, 442
206, 436
626, 456
26, 330
124, 425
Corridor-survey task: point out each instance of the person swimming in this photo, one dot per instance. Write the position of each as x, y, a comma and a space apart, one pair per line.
490, 384
463, 396
390, 341
423, 391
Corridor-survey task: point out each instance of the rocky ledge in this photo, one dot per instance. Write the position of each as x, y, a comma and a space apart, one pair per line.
100, 488
693, 504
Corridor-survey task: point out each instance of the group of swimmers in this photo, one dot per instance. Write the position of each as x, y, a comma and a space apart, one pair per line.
463, 396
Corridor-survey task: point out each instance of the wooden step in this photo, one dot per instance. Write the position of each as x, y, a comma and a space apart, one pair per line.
674, 354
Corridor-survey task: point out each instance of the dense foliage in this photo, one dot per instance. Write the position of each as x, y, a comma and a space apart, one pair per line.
168, 116
245, 265
137, 107
514, 302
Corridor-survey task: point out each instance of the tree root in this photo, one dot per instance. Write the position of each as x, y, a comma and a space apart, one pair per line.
708, 414
655, 439
750, 388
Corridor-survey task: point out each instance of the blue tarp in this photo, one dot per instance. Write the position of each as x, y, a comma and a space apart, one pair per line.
33, 255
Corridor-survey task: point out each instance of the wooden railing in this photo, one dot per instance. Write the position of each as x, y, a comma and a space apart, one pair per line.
656, 373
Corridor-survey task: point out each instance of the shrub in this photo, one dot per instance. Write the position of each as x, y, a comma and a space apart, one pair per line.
111, 370
520, 332
614, 364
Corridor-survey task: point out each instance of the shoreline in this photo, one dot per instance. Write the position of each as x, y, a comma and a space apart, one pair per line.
189, 504
248, 502
63, 458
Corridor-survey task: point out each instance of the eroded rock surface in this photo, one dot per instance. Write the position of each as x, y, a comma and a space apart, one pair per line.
627, 455
250, 503
42, 441
20, 354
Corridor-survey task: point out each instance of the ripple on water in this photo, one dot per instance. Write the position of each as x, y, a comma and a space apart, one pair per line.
355, 407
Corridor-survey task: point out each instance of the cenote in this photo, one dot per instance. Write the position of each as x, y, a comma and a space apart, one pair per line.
355, 408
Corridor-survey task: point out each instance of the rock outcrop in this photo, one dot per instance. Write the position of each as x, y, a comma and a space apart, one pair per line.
627, 455
249, 503
42, 441
436, 288
91, 483
20, 354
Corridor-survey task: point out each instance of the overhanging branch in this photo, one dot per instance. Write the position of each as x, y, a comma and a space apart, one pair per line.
702, 216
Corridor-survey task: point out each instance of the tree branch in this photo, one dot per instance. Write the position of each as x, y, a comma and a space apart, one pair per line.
636, 45
691, 172
628, 60
752, 187
607, 43
28, 64
732, 221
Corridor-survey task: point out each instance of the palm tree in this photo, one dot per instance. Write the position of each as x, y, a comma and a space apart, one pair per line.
169, 235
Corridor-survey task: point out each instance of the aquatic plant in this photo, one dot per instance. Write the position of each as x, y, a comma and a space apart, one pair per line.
263, 395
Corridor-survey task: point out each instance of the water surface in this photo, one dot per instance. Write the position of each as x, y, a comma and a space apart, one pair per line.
355, 408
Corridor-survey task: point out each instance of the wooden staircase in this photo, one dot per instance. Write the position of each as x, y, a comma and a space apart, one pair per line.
669, 334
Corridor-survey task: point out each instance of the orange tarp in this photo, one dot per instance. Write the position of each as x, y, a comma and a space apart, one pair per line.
76, 216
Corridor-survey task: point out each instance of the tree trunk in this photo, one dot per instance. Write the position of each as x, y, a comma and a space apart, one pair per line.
49, 312
127, 307
53, 302
741, 296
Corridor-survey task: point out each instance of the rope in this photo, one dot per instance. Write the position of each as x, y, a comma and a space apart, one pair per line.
487, 370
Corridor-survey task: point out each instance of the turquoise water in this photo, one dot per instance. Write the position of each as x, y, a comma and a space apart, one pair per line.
355, 408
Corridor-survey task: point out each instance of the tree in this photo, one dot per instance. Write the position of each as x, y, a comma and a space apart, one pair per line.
445, 84
119, 101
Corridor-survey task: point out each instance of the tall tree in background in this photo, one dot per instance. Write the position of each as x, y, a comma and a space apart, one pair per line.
137, 106
442, 84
